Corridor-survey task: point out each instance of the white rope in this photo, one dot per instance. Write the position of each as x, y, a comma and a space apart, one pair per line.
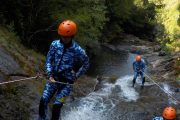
30, 78
63, 83
167, 92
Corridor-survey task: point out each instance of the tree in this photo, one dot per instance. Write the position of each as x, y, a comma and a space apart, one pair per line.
36, 22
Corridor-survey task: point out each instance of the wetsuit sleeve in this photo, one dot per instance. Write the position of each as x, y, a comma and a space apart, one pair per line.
158, 118
143, 66
85, 63
134, 67
50, 60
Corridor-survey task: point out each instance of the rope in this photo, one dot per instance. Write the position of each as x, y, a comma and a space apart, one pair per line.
63, 83
24, 79
30, 78
167, 92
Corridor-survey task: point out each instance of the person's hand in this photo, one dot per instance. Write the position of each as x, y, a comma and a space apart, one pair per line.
51, 80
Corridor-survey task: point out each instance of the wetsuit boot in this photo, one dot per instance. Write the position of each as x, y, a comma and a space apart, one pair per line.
133, 82
42, 109
56, 111
143, 81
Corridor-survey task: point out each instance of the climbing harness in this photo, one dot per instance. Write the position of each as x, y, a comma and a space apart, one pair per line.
161, 87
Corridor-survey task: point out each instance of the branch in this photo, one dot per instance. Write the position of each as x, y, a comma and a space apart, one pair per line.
43, 30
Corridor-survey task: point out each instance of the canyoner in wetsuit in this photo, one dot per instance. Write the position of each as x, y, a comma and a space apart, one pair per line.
63, 56
169, 113
139, 67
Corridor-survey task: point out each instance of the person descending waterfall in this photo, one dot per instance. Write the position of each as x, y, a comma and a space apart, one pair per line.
138, 67
169, 113
63, 58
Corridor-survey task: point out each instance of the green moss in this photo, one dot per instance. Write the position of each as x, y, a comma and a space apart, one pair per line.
28, 59
40, 84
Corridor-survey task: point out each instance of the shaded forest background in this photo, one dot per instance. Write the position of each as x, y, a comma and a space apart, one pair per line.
35, 21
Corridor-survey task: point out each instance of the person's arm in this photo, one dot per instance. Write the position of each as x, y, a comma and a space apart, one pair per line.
158, 118
143, 66
85, 60
50, 60
134, 67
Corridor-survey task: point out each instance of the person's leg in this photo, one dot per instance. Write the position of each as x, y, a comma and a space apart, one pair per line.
143, 79
48, 93
134, 79
56, 111
61, 95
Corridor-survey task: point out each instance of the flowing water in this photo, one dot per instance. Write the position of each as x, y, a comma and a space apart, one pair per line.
117, 100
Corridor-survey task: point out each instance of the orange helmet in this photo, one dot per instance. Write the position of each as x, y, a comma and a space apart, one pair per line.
138, 58
169, 113
67, 28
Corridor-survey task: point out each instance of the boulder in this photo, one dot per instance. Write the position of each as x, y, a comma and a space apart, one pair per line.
162, 53
8, 64
157, 48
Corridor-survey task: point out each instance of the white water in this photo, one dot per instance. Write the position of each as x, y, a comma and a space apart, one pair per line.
168, 91
128, 92
97, 105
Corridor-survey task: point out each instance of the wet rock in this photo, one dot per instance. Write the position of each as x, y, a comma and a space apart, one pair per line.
2, 78
162, 53
12, 107
132, 39
177, 90
8, 65
112, 47
99, 78
123, 48
139, 49
169, 65
157, 48
176, 56
167, 75
84, 86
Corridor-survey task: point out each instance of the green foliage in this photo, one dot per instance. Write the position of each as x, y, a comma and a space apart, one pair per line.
28, 59
141, 21
130, 16
118, 12
120, 9
167, 14
37, 21
149, 19
88, 14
